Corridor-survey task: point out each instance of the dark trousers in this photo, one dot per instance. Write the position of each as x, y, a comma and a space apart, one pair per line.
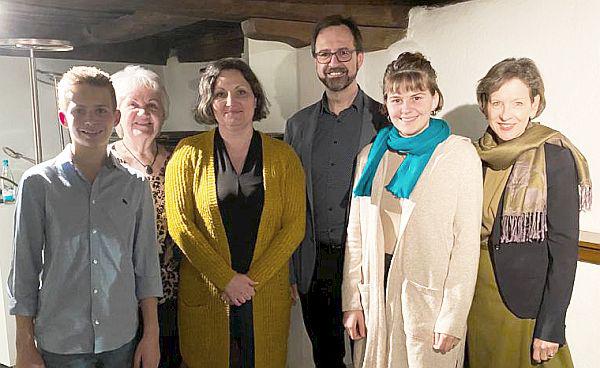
170, 356
322, 308
241, 336
118, 358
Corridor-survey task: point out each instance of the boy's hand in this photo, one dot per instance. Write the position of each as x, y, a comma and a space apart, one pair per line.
147, 352
28, 356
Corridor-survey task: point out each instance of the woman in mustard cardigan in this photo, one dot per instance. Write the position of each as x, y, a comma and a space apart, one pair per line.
235, 205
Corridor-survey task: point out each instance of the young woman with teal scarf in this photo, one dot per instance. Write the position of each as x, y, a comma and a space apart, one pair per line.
413, 235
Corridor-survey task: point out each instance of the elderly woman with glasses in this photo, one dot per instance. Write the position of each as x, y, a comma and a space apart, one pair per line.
236, 208
144, 104
535, 183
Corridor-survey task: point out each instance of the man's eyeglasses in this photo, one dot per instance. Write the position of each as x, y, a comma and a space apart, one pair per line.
342, 55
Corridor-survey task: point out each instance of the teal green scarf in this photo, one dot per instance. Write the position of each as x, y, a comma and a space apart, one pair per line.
418, 149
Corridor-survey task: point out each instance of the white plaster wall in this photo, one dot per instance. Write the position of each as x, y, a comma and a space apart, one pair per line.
181, 82
274, 64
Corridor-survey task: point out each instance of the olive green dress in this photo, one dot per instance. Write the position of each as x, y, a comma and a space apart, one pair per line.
497, 338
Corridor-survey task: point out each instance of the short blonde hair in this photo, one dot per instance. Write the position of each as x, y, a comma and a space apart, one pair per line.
82, 75
523, 69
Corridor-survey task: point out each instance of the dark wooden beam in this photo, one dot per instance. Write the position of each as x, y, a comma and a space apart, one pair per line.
212, 45
298, 34
137, 25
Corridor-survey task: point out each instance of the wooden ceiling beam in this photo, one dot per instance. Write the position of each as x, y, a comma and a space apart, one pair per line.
212, 45
137, 25
298, 34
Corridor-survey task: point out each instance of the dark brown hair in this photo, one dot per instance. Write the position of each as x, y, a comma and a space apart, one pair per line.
413, 72
337, 20
523, 69
203, 112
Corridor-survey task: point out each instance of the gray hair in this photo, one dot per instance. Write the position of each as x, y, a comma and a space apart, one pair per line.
133, 77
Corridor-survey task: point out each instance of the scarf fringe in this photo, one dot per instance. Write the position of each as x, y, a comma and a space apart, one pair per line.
585, 197
526, 227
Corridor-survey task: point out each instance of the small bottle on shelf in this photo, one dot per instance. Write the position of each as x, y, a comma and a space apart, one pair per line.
8, 188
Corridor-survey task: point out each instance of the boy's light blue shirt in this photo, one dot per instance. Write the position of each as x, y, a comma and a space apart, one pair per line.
84, 255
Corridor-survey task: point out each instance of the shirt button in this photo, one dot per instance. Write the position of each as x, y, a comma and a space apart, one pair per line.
95, 291
330, 209
93, 201
94, 231
95, 261
96, 322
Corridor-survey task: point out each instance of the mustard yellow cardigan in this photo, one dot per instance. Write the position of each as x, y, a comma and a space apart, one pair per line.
196, 226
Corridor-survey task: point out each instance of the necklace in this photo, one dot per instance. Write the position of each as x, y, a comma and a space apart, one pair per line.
148, 167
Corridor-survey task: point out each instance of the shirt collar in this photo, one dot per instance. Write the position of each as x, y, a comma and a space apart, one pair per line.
357, 103
66, 156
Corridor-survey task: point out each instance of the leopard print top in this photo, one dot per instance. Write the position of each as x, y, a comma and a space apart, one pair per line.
168, 252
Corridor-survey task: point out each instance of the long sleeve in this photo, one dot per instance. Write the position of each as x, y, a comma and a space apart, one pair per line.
145, 249
459, 285
28, 244
180, 199
353, 253
563, 232
293, 220
288, 138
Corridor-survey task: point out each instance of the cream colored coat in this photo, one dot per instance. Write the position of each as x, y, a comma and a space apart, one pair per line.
432, 276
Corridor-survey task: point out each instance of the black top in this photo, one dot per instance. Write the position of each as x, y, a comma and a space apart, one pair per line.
334, 149
535, 279
240, 198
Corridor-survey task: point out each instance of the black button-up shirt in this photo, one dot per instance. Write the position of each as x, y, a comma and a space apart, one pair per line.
335, 146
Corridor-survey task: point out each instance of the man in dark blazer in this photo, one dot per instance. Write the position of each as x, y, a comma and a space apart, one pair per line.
327, 136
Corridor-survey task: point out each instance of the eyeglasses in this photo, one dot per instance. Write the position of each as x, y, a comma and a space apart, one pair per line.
342, 55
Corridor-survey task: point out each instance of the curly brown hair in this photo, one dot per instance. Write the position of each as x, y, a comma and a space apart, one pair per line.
411, 71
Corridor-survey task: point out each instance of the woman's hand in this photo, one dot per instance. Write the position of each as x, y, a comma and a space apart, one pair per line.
443, 342
543, 350
239, 290
294, 293
354, 323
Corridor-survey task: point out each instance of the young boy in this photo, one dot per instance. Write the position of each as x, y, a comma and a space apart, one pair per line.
85, 252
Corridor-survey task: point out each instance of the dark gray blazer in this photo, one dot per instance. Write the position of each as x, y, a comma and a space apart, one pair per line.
535, 279
299, 131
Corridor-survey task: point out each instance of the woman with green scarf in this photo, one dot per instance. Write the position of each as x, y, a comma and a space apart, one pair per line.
535, 184
413, 236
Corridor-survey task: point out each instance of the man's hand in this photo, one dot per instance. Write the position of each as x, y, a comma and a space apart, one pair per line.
239, 290
443, 342
543, 350
354, 323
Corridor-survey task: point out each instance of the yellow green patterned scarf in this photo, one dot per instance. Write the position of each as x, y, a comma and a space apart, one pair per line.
524, 210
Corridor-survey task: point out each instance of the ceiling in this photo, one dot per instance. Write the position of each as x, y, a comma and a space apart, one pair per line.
151, 31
